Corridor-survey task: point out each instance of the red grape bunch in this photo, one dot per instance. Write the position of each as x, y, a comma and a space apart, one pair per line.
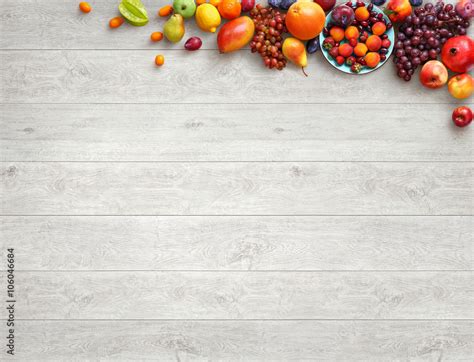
422, 35
268, 40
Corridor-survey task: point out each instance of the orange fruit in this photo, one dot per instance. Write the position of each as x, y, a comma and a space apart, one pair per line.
352, 32
85, 7
372, 59
374, 43
165, 10
116, 22
345, 50
156, 36
159, 60
360, 49
215, 2
378, 28
305, 20
361, 13
229, 9
199, 2
337, 33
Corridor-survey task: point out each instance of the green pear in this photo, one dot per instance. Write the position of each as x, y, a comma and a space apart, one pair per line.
174, 28
186, 8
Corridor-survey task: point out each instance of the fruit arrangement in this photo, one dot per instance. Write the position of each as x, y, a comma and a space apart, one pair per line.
423, 33
358, 37
355, 37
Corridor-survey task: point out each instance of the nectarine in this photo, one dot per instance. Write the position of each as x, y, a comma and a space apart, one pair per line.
433, 74
461, 86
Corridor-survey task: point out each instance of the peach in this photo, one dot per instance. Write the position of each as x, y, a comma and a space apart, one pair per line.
361, 13
360, 49
372, 59
378, 28
433, 74
374, 43
345, 50
461, 86
337, 33
351, 32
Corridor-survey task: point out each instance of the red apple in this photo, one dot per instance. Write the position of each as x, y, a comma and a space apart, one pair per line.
458, 53
462, 116
326, 4
433, 74
460, 86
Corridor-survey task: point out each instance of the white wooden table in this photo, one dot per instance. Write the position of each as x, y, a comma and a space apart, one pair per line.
215, 210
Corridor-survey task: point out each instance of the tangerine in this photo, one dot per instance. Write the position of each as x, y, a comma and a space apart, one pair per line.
229, 9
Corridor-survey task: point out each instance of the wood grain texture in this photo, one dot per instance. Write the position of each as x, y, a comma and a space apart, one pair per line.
394, 286
236, 188
244, 295
107, 76
246, 340
58, 24
211, 132
239, 243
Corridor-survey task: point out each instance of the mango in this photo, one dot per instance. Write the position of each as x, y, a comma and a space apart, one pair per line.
235, 34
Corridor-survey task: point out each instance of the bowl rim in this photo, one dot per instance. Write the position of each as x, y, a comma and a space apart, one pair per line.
365, 70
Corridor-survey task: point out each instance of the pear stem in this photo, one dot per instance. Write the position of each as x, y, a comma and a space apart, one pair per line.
302, 68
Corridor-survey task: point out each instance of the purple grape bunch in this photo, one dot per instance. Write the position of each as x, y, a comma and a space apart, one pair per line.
423, 33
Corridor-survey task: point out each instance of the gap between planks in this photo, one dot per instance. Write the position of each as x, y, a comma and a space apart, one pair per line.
243, 320
220, 103
239, 271
240, 161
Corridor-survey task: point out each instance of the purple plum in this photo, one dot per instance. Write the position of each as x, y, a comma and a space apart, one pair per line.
343, 16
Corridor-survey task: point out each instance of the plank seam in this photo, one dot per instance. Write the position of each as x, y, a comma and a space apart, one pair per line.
232, 215
247, 320
227, 103
239, 161
241, 271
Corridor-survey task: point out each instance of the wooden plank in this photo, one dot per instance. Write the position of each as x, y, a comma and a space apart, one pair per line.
239, 243
210, 132
106, 76
58, 24
246, 340
236, 188
244, 295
